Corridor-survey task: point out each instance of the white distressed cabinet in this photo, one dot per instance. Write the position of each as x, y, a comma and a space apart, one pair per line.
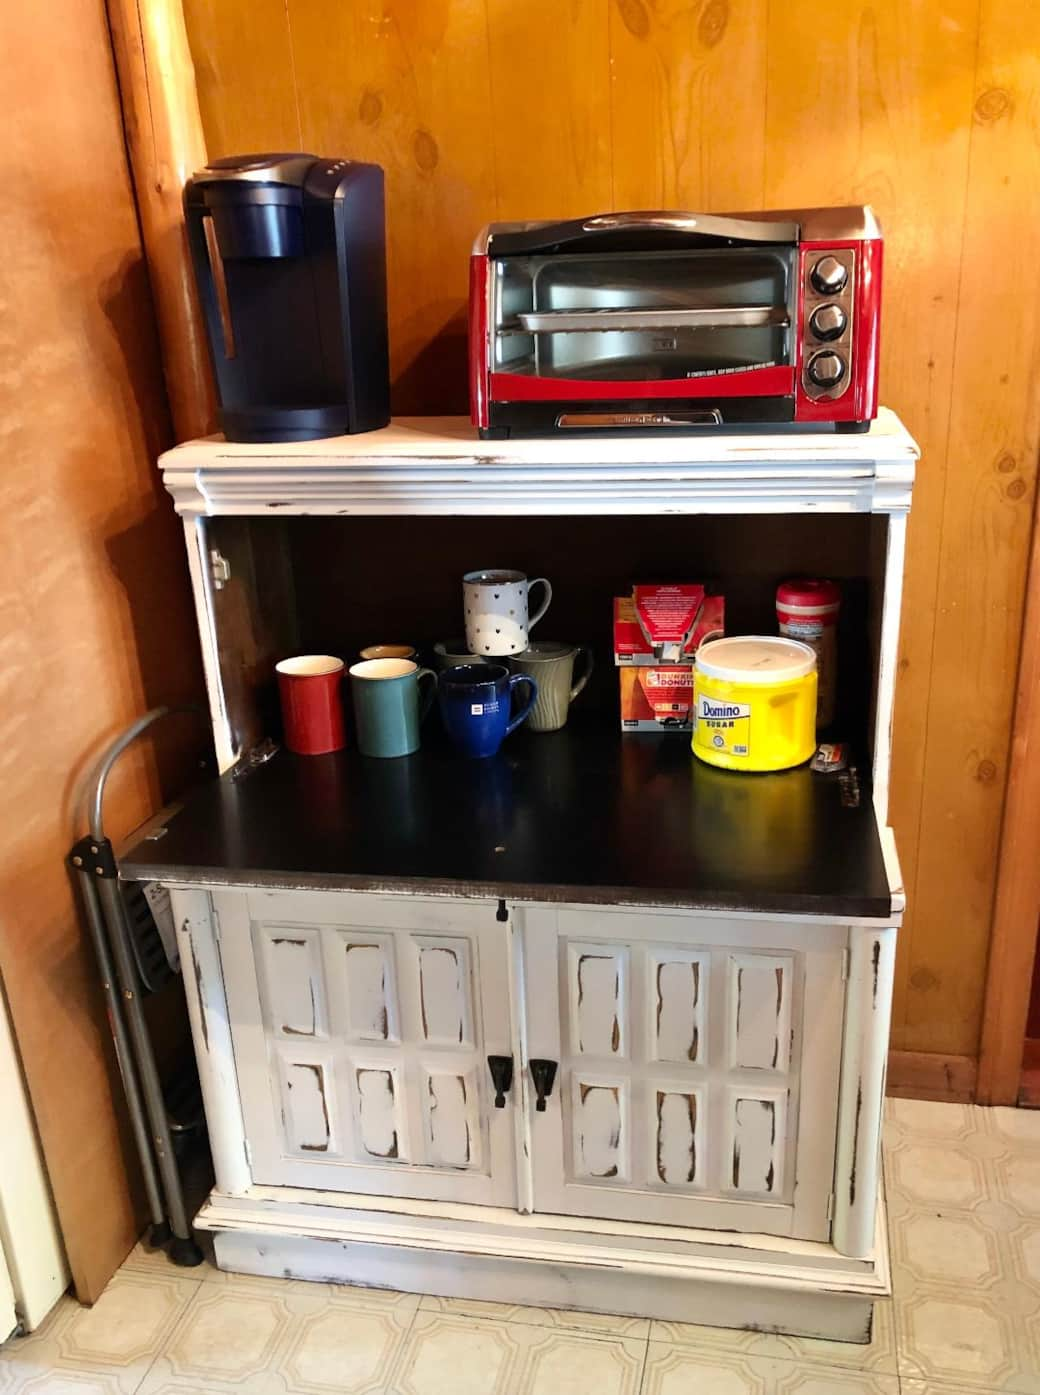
589, 1025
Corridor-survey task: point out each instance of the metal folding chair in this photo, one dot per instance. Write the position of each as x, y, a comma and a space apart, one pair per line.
132, 964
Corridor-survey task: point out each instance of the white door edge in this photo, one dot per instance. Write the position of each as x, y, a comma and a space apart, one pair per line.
33, 1256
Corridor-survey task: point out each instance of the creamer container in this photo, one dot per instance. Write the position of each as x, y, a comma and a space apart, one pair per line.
807, 609
754, 702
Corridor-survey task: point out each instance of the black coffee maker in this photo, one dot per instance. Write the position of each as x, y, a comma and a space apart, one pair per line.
290, 260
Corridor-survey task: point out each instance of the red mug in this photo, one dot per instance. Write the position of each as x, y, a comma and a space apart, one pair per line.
311, 690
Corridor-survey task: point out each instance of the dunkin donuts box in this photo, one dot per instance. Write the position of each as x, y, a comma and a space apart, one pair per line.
658, 697
665, 624
657, 631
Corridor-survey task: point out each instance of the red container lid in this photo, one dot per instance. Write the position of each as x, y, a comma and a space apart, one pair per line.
808, 591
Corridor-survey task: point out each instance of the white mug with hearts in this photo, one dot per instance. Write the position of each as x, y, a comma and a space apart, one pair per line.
495, 605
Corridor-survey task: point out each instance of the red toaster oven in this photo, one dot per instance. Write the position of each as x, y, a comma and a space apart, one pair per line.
676, 320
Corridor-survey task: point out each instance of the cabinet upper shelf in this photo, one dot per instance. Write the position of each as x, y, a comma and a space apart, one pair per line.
437, 466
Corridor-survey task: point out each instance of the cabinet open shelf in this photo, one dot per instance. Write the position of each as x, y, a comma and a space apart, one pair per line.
585, 814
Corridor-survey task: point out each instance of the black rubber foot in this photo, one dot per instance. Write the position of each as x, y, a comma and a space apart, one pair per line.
159, 1235
185, 1253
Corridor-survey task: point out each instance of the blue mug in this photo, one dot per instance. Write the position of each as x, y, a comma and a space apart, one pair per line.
476, 704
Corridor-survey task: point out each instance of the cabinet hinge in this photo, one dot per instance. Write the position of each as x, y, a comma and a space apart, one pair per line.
219, 569
830, 1207
215, 916
248, 1152
846, 955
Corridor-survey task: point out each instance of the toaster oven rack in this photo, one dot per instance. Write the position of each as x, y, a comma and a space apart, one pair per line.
616, 318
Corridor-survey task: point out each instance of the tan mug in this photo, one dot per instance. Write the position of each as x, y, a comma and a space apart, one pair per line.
551, 664
389, 651
452, 653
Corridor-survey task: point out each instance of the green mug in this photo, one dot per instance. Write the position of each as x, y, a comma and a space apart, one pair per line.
388, 710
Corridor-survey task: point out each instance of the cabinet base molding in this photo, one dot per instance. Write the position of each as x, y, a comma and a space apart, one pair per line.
753, 1282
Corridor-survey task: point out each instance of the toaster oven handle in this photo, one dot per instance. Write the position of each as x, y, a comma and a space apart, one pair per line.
709, 225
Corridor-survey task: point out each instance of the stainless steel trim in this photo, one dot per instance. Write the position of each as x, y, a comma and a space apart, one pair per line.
708, 224
706, 416
841, 344
709, 317
480, 242
850, 223
284, 169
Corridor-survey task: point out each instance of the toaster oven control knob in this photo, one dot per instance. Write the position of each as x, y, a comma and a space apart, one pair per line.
828, 322
826, 368
829, 276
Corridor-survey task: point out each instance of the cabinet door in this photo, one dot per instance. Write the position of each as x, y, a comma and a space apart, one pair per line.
361, 1027
698, 1068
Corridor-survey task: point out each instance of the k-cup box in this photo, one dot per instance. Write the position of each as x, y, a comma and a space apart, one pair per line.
657, 698
665, 624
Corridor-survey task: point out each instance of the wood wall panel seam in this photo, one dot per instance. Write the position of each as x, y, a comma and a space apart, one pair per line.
1016, 917
166, 145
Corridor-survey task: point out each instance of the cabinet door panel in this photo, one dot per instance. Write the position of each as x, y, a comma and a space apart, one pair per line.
306, 1089
759, 1019
684, 1096
368, 990
361, 1026
757, 1130
677, 1131
678, 1021
600, 1128
293, 990
597, 979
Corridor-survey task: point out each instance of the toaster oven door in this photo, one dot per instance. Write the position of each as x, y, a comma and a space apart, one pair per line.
675, 324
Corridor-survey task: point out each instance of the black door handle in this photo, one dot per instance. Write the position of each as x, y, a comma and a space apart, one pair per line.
501, 1068
543, 1073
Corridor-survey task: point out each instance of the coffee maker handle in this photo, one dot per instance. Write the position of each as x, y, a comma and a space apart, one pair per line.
539, 580
514, 680
586, 675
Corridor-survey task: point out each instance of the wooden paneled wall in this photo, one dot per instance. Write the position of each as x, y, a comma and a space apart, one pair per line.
96, 623
929, 110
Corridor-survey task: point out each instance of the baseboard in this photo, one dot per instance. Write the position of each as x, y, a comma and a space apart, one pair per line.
761, 1283
930, 1075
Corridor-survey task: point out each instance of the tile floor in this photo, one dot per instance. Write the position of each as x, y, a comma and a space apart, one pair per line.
964, 1208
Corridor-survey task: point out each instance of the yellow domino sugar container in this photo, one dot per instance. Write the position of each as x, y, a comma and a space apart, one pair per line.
754, 702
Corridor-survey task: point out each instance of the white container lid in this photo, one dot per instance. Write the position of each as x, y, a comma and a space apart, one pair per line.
755, 659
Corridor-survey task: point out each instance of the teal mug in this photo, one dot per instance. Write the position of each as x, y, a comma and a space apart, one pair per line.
388, 709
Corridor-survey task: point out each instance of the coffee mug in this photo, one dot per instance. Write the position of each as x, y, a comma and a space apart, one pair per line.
476, 702
552, 664
451, 653
495, 605
311, 690
388, 651
387, 709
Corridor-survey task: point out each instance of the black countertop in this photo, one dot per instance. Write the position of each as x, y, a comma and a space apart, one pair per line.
581, 815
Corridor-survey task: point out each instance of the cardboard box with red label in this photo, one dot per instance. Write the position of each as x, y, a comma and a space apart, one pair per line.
665, 624
657, 631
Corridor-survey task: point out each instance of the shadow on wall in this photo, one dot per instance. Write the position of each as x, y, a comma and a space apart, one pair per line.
146, 552
435, 382
125, 298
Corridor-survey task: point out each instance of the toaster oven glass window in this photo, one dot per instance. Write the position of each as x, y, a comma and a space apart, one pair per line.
644, 316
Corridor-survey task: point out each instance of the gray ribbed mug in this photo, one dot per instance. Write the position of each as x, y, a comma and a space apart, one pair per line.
551, 664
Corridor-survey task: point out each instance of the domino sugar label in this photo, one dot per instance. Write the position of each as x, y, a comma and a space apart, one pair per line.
724, 725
